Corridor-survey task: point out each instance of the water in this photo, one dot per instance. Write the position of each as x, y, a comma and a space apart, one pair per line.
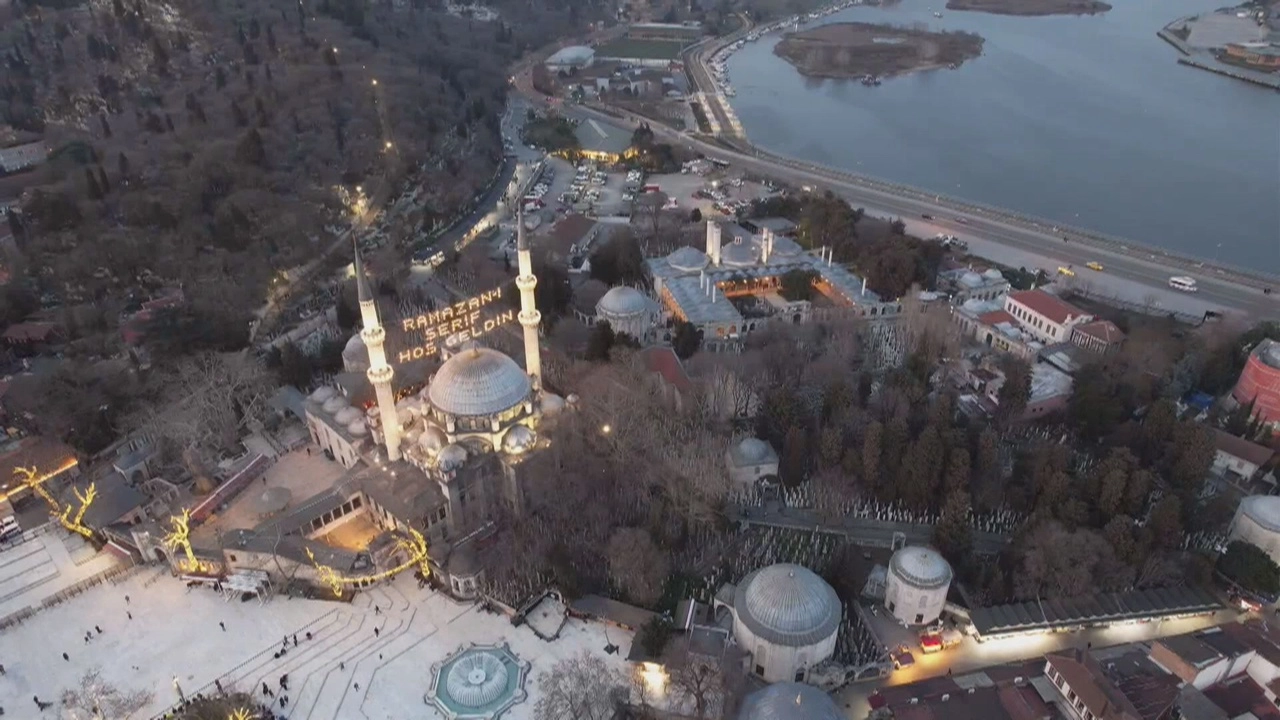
1089, 121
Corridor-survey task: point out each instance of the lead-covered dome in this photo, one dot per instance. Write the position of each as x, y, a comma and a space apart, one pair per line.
348, 415
921, 567
738, 254
478, 382
322, 394
687, 259
622, 302
754, 450
787, 605
355, 355
517, 440
1263, 509
789, 701
334, 404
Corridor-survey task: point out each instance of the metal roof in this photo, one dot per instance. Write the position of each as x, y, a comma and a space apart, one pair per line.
1050, 614
789, 701
787, 605
599, 136
479, 382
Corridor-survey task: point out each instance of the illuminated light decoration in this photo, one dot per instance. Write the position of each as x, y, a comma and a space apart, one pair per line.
462, 308
31, 478
415, 545
472, 328
180, 538
240, 714
654, 677
460, 322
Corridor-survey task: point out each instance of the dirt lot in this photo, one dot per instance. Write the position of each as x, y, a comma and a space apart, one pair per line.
1031, 7
854, 50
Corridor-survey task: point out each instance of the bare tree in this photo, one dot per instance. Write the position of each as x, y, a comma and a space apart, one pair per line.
96, 699
699, 682
581, 687
637, 564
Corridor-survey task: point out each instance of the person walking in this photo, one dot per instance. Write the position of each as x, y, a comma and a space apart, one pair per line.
66, 657
265, 690
126, 599
95, 627
126, 612
218, 684
376, 631
2, 670
295, 639
222, 625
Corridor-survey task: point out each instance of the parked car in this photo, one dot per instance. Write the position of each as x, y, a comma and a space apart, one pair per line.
1094, 265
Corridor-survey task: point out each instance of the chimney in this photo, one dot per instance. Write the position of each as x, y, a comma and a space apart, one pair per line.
702, 280
864, 286
713, 293
766, 245
713, 242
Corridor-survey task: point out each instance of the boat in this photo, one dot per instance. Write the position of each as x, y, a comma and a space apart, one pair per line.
870, 80
937, 14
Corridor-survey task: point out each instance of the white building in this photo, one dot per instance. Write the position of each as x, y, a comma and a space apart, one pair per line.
789, 701
966, 284
629, 311
917, 584
750, 460
786, 618
1238, 457
1257, 522
571, 58
1047, 317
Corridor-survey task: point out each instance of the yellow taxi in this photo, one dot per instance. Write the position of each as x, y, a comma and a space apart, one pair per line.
1094, 265
1066, 270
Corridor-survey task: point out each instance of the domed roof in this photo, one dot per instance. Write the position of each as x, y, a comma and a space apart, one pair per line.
357, 428
334, 404
517, 440
789, 701
551, 403
738, 254
355, 348
785, 247
452, 457
322, 394
479, 381
921, 567
622, 301
348, 415
754, 450
432, 440
687, 259
787, 605
993, 274
1264, 510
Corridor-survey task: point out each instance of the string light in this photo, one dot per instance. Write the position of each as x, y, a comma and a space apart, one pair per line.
31, 478
415, 545
180, 538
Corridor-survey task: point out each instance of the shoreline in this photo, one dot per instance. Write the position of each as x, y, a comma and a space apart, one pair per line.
869, 51
1202, 59
1015, 8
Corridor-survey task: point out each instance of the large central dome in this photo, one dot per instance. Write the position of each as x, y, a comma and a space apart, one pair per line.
788, 605
478, 382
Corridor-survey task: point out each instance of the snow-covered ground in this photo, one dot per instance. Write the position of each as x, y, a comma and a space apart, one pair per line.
345, 671
47, 563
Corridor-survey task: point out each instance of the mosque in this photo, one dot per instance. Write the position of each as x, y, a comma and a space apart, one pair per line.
441, 458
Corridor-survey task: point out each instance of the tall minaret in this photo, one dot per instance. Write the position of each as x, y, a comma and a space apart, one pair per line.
380, 373
529, 315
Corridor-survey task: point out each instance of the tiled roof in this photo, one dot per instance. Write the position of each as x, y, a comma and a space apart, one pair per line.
1055, 613
1241, 448
1104, 330
1054, 308
665, 362
997, 317
30, 331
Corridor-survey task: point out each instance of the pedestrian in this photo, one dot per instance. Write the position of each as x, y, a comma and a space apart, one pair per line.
377, 610
379, 656
375, 632
126, 599
86, 639
342, 666
95, 627
126, 612
282, 701
218, 684
265, 690
357, 685
308, 634
222, 625
2, 670
295, 639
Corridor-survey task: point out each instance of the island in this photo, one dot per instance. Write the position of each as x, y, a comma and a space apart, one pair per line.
1031, 7
869, 52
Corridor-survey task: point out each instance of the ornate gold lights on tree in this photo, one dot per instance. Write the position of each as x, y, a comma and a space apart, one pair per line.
415, 545
31, 478
179, 537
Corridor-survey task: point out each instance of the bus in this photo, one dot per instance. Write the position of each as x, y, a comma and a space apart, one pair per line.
1183, 283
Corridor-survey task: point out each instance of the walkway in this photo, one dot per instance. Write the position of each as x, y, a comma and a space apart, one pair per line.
44, 565
859, 531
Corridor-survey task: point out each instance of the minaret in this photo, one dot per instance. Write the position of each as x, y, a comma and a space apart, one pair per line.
529, 315
380, 373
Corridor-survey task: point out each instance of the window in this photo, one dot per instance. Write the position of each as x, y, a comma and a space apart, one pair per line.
919, 618
233, 557
760, 670
800, 675
355, 502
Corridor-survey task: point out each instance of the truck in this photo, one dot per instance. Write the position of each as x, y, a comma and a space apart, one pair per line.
934, 640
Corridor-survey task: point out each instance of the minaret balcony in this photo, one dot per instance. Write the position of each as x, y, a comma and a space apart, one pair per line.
527, 282
382, 374
530, 318
375, 335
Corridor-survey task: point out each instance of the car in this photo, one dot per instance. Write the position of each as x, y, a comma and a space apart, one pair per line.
926, 216
1094, 265
1066, 270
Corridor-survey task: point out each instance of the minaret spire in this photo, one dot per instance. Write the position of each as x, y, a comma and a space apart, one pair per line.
380, 373
526, 281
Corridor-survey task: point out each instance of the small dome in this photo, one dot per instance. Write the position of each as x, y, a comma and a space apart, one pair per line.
432, 440
993, 274
921, 567
404, 416
687, 259
411, 434
785, 247
357, 428
451, 458
479, 382
517, 440
334, 404
347, 415
971, 279
322, 394
754, 450
1263, 509
551, 404
789, 701
622, 302
355, 350
787, 605
477, 680
739, 254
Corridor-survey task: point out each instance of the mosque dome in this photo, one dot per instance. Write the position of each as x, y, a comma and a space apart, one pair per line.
993, 274
348, 415
622, 301
517, 440
478, 382
551, 404
687, 259
411, 434
738, 254
432, 440
355, 354
451, 458
322, 394
754, 451
334, 404
787, 605
357, 428
922, 567
789, 701
785, 247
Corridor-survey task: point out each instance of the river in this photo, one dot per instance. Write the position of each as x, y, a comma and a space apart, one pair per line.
1088, 121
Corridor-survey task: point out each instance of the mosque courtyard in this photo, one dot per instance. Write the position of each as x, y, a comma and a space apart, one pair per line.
159, 636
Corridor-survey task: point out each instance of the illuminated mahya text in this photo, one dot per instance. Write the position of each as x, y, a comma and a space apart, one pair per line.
461, 321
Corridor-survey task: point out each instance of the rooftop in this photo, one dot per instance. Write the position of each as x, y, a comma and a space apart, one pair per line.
478, 381
1104, 330
572, 55
115, 498
1056, 613
1239, 447
565, 234
665, 362
788, 605
597, 136
1048, 382
618, 613
47, 456
1241, 697
1050, 306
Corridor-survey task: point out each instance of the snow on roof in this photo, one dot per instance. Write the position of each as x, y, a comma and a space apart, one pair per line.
1048, 382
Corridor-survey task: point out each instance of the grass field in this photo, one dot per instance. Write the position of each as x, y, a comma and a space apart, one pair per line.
625, 48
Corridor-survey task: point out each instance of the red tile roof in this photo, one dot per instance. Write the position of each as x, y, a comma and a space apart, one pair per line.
1241, 448
1054, 308
995, 317
1104, 330
665, 362
30, 331
1241, 697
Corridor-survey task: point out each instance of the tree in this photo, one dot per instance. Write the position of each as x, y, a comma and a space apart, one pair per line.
798, 285
653, 636
1166, 521
618, 261
695, 216
638, 565
1251, 568
582, 687
1015, 392
600, 342
699, 681
293, 367
250, 149
95, 699
686, 339
952, 534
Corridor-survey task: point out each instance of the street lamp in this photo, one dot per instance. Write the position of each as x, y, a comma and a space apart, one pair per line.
375, 82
